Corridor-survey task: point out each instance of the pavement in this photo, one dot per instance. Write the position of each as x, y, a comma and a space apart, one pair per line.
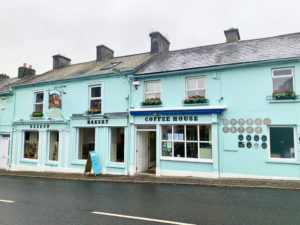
152, 179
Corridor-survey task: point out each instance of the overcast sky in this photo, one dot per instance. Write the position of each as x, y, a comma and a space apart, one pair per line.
32, 31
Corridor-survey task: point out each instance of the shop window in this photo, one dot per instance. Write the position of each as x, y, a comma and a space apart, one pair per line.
195, 86
86, 142
152, 89
282, 142
38, 101
283, 79
187, 141
54, 145
117, 144
31, 144
95, 97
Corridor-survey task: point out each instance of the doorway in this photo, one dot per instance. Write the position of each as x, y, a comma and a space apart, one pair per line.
146, 151
4, 151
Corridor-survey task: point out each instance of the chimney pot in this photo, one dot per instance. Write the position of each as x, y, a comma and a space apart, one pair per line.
159, 44
104, 53
30, 66
232, 35
60, 61
24, 64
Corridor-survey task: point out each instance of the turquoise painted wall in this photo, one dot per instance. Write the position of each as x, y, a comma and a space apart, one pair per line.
6, 112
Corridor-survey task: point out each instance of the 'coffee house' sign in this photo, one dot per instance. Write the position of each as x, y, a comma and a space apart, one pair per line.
97, 121
170, 118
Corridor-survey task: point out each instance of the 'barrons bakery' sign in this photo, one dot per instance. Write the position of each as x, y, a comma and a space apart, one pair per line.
39, 125
97, 121
170, 118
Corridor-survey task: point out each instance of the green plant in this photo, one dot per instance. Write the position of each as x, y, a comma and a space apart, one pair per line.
152, 101
195, 99
93, 110
37, 114
285, 94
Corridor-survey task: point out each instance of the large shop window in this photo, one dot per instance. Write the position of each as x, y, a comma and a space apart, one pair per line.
86, 142
187, 141
38, 101
31, 144
282, 142
283, 79
117, 144
195, 86
95, 97
54, 145
152, 89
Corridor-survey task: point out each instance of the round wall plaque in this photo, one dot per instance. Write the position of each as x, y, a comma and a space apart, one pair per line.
258, 130
248, 137
249, 145
225, 129
258, 121
241, 121
264, 138
241, 137
256, 145
256, 138
233, 129
233, 122
225, 122
249, 130
264, 145
267, 121
241, 129
249, 121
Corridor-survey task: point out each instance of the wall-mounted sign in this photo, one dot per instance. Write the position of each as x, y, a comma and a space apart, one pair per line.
241, 144
97, 121
170, 118
39, 125
54, 101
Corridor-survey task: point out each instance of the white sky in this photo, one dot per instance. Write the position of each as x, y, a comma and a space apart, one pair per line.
32, 31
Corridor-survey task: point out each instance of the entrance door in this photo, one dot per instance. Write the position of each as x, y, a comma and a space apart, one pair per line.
152, 149
4, 149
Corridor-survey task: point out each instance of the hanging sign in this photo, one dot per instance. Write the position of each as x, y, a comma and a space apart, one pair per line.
92, 161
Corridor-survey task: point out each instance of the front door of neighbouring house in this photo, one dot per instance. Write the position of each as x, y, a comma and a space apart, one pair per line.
4, 149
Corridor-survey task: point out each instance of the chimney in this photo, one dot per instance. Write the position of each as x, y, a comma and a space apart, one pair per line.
104, 53
232, 35
159, 44
24, 71
3, 76
60, 61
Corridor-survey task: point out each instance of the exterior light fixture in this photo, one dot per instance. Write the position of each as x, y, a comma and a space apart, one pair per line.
3, 97
136, 84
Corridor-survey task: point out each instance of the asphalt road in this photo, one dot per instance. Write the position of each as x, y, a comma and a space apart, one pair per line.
49, 201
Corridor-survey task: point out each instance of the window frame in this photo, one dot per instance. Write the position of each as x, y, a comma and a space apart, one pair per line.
59, 145
78, 140
194, 77
94, 98
23, 146
152, 81
39, 103
109, 152
281, 76
295, 143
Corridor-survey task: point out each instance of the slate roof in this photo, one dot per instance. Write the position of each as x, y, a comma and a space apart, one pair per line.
79, 70
272, 48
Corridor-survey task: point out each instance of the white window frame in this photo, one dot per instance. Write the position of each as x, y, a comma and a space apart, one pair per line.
39, 103
59, 145
109, 154
152, 81
185, 158
23, 146
277, 69
295, 143
195, 89
94, 98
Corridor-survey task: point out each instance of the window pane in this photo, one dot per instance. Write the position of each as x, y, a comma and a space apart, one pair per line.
166, 148
201, 82
166, 132
191, 93
31, 144
282, 72
205, 133
96, 104
178, 133
54, 145
117, 144
201, 92
282, 142
192, 150
152, 86
179, 149
191, 83
191, 133
205, 151
38, 108
282, 83
86, 142
95, 92
39, 97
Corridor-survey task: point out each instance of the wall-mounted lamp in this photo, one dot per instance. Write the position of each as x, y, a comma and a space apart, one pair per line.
3, 97
136, 84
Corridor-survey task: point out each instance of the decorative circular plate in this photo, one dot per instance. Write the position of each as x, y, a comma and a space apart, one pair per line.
249, 121
225, 129
258, 121
249, 130
241, 137
264, 145
241, 121
233, 129
241, 129
248, 137
256, 145
225, 122
264, 138
249, 145
258, 130
256, 138
267, 121
233, 122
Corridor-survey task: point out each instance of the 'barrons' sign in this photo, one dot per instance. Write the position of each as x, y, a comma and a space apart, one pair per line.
40, 125
170, 118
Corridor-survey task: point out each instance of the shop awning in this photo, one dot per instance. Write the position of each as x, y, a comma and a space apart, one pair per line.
182, 110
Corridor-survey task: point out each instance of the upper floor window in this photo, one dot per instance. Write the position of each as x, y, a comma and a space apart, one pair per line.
283, 79
38, 101
152, 89
95, 97
195, 86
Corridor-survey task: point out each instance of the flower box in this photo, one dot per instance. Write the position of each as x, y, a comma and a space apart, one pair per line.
93, 110
152, 101
196, 99
37, 114
286, 94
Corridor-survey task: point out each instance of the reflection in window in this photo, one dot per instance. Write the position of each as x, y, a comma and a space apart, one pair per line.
117, 144
31, 144
95, 97
152, 89
38, 101
282, 79
282, 141
54, 145
195, 86
86, 142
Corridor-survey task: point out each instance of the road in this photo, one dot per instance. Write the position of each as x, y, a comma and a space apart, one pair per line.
50, 201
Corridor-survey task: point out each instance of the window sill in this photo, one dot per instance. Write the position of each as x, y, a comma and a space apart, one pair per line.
32, 161
37, 118
280, 161
285, 101
51, 163
195, 104
80, 163
116, 165
150, 106
178, 159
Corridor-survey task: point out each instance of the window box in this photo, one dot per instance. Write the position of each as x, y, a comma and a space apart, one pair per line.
286, 94
152, 101
196, 99
93, 111
37, 114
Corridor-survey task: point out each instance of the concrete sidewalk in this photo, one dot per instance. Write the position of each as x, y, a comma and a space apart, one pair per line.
152, 179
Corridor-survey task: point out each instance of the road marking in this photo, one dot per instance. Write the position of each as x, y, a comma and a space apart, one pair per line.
7, 201
141, 218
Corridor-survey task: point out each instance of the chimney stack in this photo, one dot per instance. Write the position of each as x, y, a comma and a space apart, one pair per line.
104, 53
60, 61
159, 44
3, 76
23, 71
232, 35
